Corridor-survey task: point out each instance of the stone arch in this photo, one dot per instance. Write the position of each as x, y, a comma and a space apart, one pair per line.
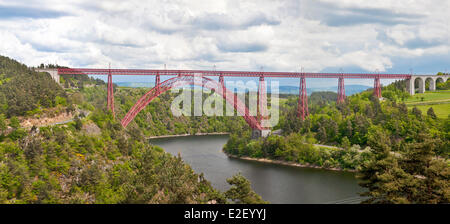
419, 83
431, 83
440, 79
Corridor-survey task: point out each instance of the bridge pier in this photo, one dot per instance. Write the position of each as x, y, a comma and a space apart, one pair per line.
422, 79
432, 84
157, 81
410, 86
110, 97
302, 104
341, 90
261, 100
377, 87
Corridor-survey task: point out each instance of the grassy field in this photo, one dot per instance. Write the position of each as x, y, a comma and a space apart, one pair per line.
441, 110
429, 97
439, 100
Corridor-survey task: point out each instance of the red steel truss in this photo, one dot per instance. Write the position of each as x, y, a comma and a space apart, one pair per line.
110, 97
302, 104
262, 100
377, 88
95, 71
186, 76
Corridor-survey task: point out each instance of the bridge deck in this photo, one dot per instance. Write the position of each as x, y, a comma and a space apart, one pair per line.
92, 71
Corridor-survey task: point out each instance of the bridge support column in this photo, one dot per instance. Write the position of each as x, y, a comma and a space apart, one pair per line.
421, 85
157, 81
110, 97
410, 86
302, 104
377, 87
432, 84
262, 100
341, 90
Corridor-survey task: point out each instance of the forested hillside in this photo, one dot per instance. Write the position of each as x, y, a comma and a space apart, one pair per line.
405, 157
22, 89
91, 159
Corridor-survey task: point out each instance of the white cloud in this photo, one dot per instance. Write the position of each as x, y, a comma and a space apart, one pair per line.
278, 35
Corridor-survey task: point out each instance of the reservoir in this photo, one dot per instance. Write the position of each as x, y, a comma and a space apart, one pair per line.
275, 183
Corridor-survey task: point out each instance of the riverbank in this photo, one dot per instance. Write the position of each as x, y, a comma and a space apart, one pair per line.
286, 163
299, 185
183, 135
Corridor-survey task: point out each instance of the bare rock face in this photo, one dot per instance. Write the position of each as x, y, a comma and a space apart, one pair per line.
46, 120
91, 128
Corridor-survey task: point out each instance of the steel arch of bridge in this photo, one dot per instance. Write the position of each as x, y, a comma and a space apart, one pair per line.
184, 80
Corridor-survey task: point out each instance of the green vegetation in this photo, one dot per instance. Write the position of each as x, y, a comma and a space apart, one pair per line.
443, 85
23, 90
93, 159
406, 152
439, 101
296, 148
63, 165
429, 97
413, 176
241, 192
400, 154
441, 110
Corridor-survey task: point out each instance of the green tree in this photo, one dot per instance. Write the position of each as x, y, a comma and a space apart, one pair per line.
384, 180
14, 122
78, 123
345, 143
432, 174
431, 113
417, 112
241, 191
2, 123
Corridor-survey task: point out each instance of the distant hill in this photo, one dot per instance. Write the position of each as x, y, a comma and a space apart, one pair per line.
349, 89
22, 89
135, 84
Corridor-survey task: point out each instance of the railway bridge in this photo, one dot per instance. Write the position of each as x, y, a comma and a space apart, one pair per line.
187, 76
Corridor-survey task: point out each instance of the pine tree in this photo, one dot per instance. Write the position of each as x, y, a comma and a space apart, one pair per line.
14, 122
241, 191
431, 113
432, 174
417, 112
2, 123
384, 179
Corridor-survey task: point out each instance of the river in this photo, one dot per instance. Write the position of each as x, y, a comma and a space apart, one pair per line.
275, 183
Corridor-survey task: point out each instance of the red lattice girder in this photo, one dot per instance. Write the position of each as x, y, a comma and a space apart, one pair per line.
94, 71
341, 90
302, 104
377, 87
110, 98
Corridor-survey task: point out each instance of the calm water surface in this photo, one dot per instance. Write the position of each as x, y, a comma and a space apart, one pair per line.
275, 183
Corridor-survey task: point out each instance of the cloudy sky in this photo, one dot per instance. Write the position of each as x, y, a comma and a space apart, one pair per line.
326, 35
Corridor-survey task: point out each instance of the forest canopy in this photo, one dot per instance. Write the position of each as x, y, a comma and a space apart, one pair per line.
22, 89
